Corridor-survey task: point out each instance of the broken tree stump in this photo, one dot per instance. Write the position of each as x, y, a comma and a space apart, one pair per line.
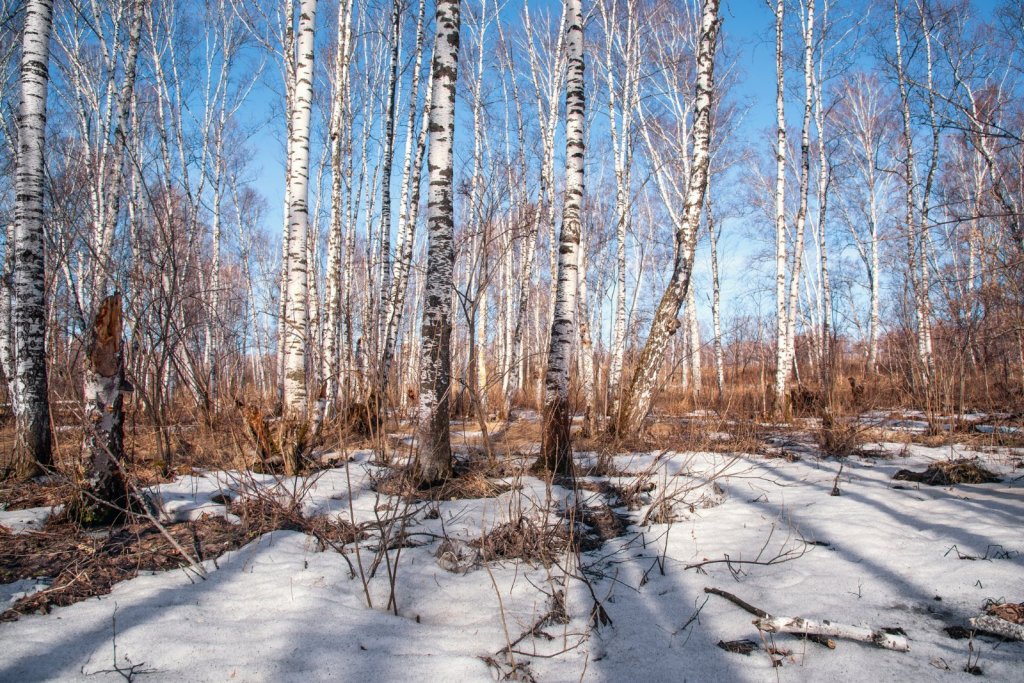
103, 495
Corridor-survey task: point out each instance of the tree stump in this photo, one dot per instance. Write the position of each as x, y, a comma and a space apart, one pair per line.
103, 495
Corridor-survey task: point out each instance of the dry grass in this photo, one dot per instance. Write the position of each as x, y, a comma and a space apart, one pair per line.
83, 565
950, 472
530, 538
473, 478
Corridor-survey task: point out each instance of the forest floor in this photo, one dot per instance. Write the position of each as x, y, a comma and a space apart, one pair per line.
502, 575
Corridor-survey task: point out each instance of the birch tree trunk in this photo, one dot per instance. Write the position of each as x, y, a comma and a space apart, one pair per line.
622, 150
388, 154
556, 447
434, 458
31, 402
339, 110
915, 252
295, 391
7, 361
781, 366
587, 379
789, 359
636, 403
716, 316
693, 358
408, 210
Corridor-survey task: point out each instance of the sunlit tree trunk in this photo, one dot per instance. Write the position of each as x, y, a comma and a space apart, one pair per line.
636, 403
336, 237
408, 211
434, 459
716, 306
296, 323
31, 403
781, 364
556, 448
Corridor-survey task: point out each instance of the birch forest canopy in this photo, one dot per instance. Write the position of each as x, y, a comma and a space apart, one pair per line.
265, 186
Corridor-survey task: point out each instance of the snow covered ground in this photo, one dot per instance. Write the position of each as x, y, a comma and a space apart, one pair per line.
918, 558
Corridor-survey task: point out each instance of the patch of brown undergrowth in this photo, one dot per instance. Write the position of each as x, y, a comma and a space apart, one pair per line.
527, 537
82, 565
472, 478
950, 472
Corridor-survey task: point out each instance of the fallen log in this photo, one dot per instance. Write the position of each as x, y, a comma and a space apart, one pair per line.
801, 626
999, 627
758, 612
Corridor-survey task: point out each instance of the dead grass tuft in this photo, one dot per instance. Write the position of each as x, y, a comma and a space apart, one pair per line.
959, 471
525, 538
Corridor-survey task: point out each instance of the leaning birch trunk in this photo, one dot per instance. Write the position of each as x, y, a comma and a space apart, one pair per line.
103, 496
636, 402
781, 367
434, 459
298, 220
556, 448
32, 449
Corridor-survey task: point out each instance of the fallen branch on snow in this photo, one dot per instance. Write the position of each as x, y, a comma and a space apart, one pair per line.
799, 625
1000, 627
758, 612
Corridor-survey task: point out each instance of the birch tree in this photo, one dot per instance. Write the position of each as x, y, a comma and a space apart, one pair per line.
31, 402
781, 366
622, 83
556, 447
340, 113
295, 390
434, 458
636, 402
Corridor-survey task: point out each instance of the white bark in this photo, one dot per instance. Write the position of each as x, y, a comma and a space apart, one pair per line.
434, 459
781, 365
335, 240
408, 210
716, 317
556, 449
802, 626
622, 94
1000, 627
32, 450
296, 318
637, 400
